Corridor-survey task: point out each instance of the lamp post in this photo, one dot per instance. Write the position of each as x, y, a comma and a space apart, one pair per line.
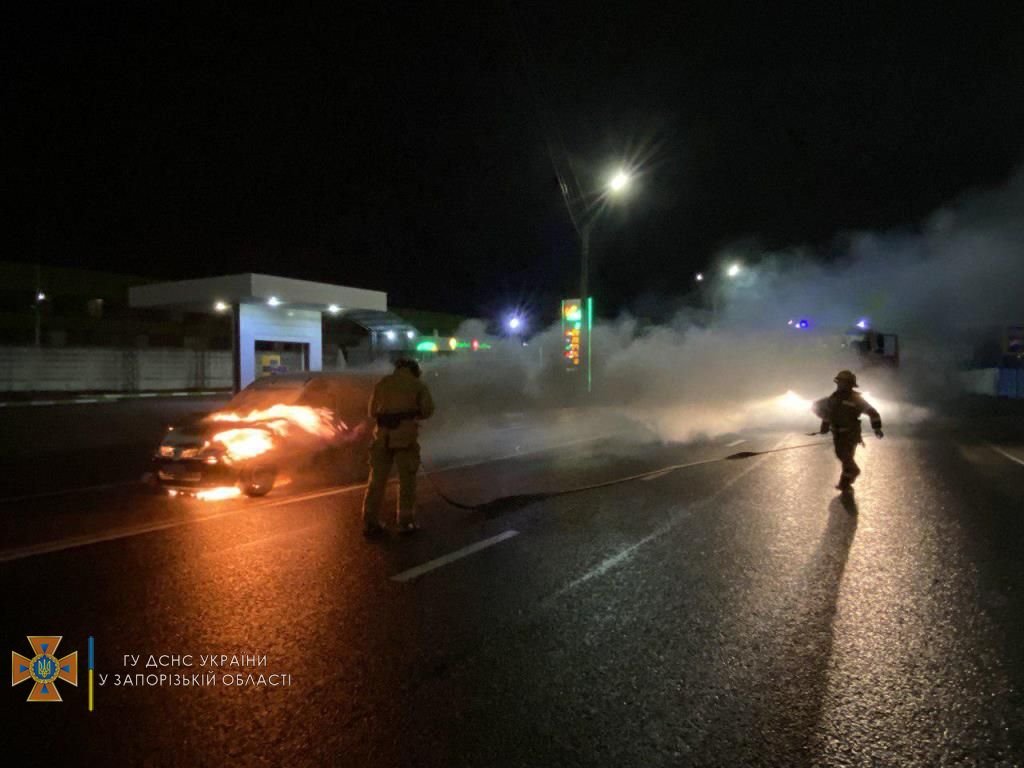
617, 184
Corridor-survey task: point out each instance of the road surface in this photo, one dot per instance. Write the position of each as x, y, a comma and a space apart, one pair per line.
729, 613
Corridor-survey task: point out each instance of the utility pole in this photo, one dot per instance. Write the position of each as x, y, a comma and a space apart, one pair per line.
37, 306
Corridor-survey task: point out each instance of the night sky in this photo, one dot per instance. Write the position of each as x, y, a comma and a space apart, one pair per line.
403, 147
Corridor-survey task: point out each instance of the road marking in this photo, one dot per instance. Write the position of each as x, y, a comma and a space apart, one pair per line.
60, 545
458, 554
625, 554
735, 442
656, 475
1008, 455
74, 542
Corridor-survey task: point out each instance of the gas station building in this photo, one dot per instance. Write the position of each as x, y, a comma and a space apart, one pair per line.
268, 309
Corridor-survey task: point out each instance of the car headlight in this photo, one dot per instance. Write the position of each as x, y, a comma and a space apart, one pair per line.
214, 454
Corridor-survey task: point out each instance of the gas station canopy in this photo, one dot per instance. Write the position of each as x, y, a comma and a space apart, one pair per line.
263, 308
203, 294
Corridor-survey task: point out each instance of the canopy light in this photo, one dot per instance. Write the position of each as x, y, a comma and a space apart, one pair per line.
274, 301
220, 306
334, 309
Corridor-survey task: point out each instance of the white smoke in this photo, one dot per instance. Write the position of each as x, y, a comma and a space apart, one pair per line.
954, 281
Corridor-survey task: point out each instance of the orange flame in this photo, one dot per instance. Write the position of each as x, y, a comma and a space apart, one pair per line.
245, 442
219, 494
277, 420
281, 418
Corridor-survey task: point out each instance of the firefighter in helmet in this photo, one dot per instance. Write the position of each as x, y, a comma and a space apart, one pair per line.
400, 400
840, 413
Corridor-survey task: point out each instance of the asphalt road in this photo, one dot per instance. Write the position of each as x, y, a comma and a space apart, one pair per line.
729, 613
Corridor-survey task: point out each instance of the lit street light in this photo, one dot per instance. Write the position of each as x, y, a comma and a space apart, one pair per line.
514, 322
700, 277
619, 181
734, 270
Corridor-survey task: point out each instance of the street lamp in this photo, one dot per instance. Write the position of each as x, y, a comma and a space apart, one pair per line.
734, 269
617, 184
699, 277
619, 181
37, 307
514, 323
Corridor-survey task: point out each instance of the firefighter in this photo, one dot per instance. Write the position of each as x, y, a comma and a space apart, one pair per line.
840, 412
400, 400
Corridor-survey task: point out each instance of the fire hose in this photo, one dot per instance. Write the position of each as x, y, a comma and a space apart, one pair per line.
542, 495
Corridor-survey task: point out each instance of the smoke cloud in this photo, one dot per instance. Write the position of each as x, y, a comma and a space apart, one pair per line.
943, 287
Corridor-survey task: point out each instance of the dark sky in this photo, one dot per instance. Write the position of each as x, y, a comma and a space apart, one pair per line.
400, 147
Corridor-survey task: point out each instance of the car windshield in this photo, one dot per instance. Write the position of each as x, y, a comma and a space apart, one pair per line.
267, 392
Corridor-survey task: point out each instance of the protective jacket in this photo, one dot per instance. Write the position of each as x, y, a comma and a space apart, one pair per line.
399, 401
840, 412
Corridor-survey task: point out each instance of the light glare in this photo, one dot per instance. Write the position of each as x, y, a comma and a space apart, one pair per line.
619, 181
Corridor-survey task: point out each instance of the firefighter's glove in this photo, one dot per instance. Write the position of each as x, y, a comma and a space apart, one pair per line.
878, 434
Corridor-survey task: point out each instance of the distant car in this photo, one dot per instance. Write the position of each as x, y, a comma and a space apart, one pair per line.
277, 423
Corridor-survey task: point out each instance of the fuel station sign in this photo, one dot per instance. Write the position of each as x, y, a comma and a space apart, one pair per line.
572, 333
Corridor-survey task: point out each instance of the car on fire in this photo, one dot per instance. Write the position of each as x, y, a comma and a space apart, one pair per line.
278, 424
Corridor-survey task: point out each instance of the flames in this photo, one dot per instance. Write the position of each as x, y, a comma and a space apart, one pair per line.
262, 426
219, 494
245, 442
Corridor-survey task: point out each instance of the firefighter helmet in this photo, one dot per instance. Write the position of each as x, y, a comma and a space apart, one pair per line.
846, 377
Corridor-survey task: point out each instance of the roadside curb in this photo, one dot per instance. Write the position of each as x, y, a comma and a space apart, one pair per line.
110, 398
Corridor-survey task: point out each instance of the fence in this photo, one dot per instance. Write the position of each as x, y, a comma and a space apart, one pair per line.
32, 369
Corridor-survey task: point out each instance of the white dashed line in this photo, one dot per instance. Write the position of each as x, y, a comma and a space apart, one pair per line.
735, 442
125, 533
1006, 454
451, 557
625, 554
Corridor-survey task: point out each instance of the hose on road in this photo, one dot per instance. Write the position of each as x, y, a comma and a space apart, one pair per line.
525, 498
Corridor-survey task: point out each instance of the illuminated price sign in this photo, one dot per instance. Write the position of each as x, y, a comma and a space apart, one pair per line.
572, 328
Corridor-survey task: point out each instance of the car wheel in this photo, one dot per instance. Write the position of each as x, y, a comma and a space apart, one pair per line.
258, 481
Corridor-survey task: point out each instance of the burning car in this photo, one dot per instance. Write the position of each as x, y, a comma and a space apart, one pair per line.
277, 424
